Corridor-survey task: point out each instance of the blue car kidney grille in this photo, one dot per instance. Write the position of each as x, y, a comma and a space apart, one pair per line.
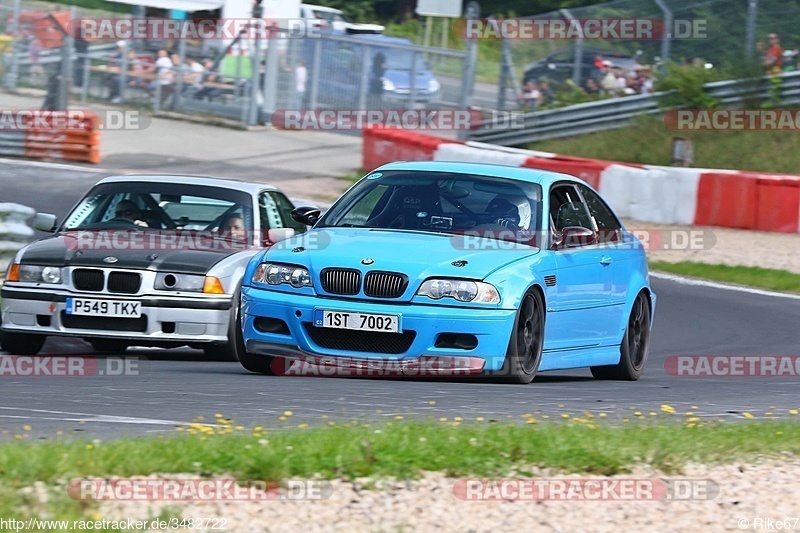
385, 284
341, 281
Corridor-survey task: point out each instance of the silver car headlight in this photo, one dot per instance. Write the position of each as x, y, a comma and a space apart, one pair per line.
388, 85
39, 274
278, 274
179, 282
460, 290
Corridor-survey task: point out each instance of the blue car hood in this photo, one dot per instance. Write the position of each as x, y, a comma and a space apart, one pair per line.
419, 255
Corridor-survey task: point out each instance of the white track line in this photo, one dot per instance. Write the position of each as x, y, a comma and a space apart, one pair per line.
723, 286
60, 166
87, 417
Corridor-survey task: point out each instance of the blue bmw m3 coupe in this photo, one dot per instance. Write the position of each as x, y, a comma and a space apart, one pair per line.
454, 267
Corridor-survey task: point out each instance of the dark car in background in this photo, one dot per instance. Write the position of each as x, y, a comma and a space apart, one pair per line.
560, 66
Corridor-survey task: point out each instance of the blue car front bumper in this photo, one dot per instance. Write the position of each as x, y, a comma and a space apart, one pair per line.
475, 334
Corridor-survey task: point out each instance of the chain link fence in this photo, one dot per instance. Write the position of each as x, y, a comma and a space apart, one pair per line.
727, 36
246, 80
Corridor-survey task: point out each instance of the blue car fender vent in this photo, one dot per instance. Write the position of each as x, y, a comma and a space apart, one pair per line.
346, 281
550, 281
385, 284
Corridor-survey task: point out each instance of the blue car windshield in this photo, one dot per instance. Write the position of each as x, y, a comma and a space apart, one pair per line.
441, 202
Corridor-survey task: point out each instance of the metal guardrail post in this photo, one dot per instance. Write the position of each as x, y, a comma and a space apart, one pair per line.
271, 76
177, 94
467, 79
578, 59
11, 77
123, 73
316, 65
363, 84
413, 85
750, 37
666, 39
86, 78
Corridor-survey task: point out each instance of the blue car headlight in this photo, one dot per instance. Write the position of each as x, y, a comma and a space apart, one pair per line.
278, 274
460, 290
39, 274
388, 86
434, 86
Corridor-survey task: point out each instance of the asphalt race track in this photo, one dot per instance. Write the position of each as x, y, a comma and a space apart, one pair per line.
174, 387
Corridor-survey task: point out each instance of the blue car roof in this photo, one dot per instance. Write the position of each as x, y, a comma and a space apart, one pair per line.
543, 177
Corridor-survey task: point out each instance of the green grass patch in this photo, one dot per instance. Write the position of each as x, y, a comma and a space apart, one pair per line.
764, 278
404, 450
649, 141
397, 449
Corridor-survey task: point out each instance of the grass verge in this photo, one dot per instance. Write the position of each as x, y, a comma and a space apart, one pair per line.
405, 449
649, 141
396, 449
763, 278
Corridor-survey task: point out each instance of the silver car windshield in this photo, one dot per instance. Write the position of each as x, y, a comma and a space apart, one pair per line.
163, 207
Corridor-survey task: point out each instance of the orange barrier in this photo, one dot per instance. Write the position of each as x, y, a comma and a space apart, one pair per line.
588, 170
37, 24
727, 200
778, 207
384, 145
70, 138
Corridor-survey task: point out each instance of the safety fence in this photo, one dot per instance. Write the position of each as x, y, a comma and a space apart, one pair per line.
648, 193
14, 232
73, 136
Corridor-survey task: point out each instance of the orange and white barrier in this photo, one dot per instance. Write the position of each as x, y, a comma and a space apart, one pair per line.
73, 136
649, 193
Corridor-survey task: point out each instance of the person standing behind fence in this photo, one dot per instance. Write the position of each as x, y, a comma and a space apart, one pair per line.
209, 76
301, 80
376, 81
165, 76
112, 80
773, 57
530, 98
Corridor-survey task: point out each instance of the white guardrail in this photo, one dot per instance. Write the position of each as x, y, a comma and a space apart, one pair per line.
14, 232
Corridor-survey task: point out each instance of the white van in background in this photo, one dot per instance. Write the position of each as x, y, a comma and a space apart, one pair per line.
336, 20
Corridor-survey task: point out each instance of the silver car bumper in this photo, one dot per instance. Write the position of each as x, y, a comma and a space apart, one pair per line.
186, 320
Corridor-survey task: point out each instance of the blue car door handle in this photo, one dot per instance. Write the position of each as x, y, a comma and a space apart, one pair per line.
606, 260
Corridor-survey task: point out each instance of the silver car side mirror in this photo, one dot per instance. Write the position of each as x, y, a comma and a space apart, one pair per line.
45, 222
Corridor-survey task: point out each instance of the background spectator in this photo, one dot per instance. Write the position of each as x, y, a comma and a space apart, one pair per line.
530, 98
773, 56
301, 80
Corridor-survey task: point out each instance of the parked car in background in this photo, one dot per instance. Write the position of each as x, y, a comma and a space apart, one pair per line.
334, 19
488, 269
390, 68
151, 260
560, 66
